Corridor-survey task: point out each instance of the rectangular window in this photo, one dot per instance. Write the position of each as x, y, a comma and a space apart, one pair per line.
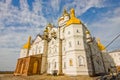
55, 65
70, 44
77, 31
52, 42
64, 48
68, 32
78, 42
36, 49
49, 65
71, 62
65, 65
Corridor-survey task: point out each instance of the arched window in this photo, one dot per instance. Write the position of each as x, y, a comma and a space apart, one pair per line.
39, 49
81, 60
65, 65
78, 42
55, 49
36, 49
55, 65
77, 31
71, 62
49, 65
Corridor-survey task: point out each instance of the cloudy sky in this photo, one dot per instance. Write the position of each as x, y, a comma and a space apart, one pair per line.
21, 18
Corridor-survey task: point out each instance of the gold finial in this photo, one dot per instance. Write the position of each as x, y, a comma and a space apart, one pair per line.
100, 45
46, 30
72, 13
29, 39
73, 19
28, 44
65, 12
49, 24
98, 40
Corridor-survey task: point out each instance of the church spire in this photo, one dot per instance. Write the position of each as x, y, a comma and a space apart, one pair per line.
28, 44
72, 13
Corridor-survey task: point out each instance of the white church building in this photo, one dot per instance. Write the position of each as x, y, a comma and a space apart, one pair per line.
68, 49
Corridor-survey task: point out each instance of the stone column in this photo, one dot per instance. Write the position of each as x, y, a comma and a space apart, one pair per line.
60, 55
44, 58
60, 58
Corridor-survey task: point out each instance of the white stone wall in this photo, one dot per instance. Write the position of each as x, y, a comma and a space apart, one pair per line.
53, 56
115, 56
23, 53
52, 64
75, 50
76, 53
37, 46
62, 22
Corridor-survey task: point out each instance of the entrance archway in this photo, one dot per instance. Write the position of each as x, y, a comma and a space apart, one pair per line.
35, 67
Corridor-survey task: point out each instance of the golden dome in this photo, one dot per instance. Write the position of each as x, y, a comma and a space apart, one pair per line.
49, 25
73, 19
28, 44
87, 32
100, 45
46, 30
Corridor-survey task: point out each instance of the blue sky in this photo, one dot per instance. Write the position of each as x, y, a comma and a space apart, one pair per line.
21, 18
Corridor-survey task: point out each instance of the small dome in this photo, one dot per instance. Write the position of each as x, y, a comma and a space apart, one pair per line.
87, 32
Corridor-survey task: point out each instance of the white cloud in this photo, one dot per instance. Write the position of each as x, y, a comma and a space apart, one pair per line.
82, 6
107, 28
55, 5
17, 24
37, 7
15, 27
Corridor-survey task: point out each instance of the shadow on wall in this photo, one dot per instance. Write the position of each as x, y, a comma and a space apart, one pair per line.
99, 63
110, 64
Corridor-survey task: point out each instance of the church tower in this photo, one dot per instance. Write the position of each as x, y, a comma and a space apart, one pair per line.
75, 50
25, 49
79, 54
68, 49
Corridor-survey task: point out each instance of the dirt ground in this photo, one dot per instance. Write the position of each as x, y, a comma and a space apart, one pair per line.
43, 77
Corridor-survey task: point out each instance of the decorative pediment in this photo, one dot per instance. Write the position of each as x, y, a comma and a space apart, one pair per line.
37, 39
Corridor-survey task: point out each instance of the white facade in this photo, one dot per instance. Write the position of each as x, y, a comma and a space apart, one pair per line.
115, 56
37, 46
71, 42
23, 53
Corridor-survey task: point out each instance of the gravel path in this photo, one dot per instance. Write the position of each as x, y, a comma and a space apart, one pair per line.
42, 77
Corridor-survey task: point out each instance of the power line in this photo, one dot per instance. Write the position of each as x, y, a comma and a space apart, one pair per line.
113, 40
